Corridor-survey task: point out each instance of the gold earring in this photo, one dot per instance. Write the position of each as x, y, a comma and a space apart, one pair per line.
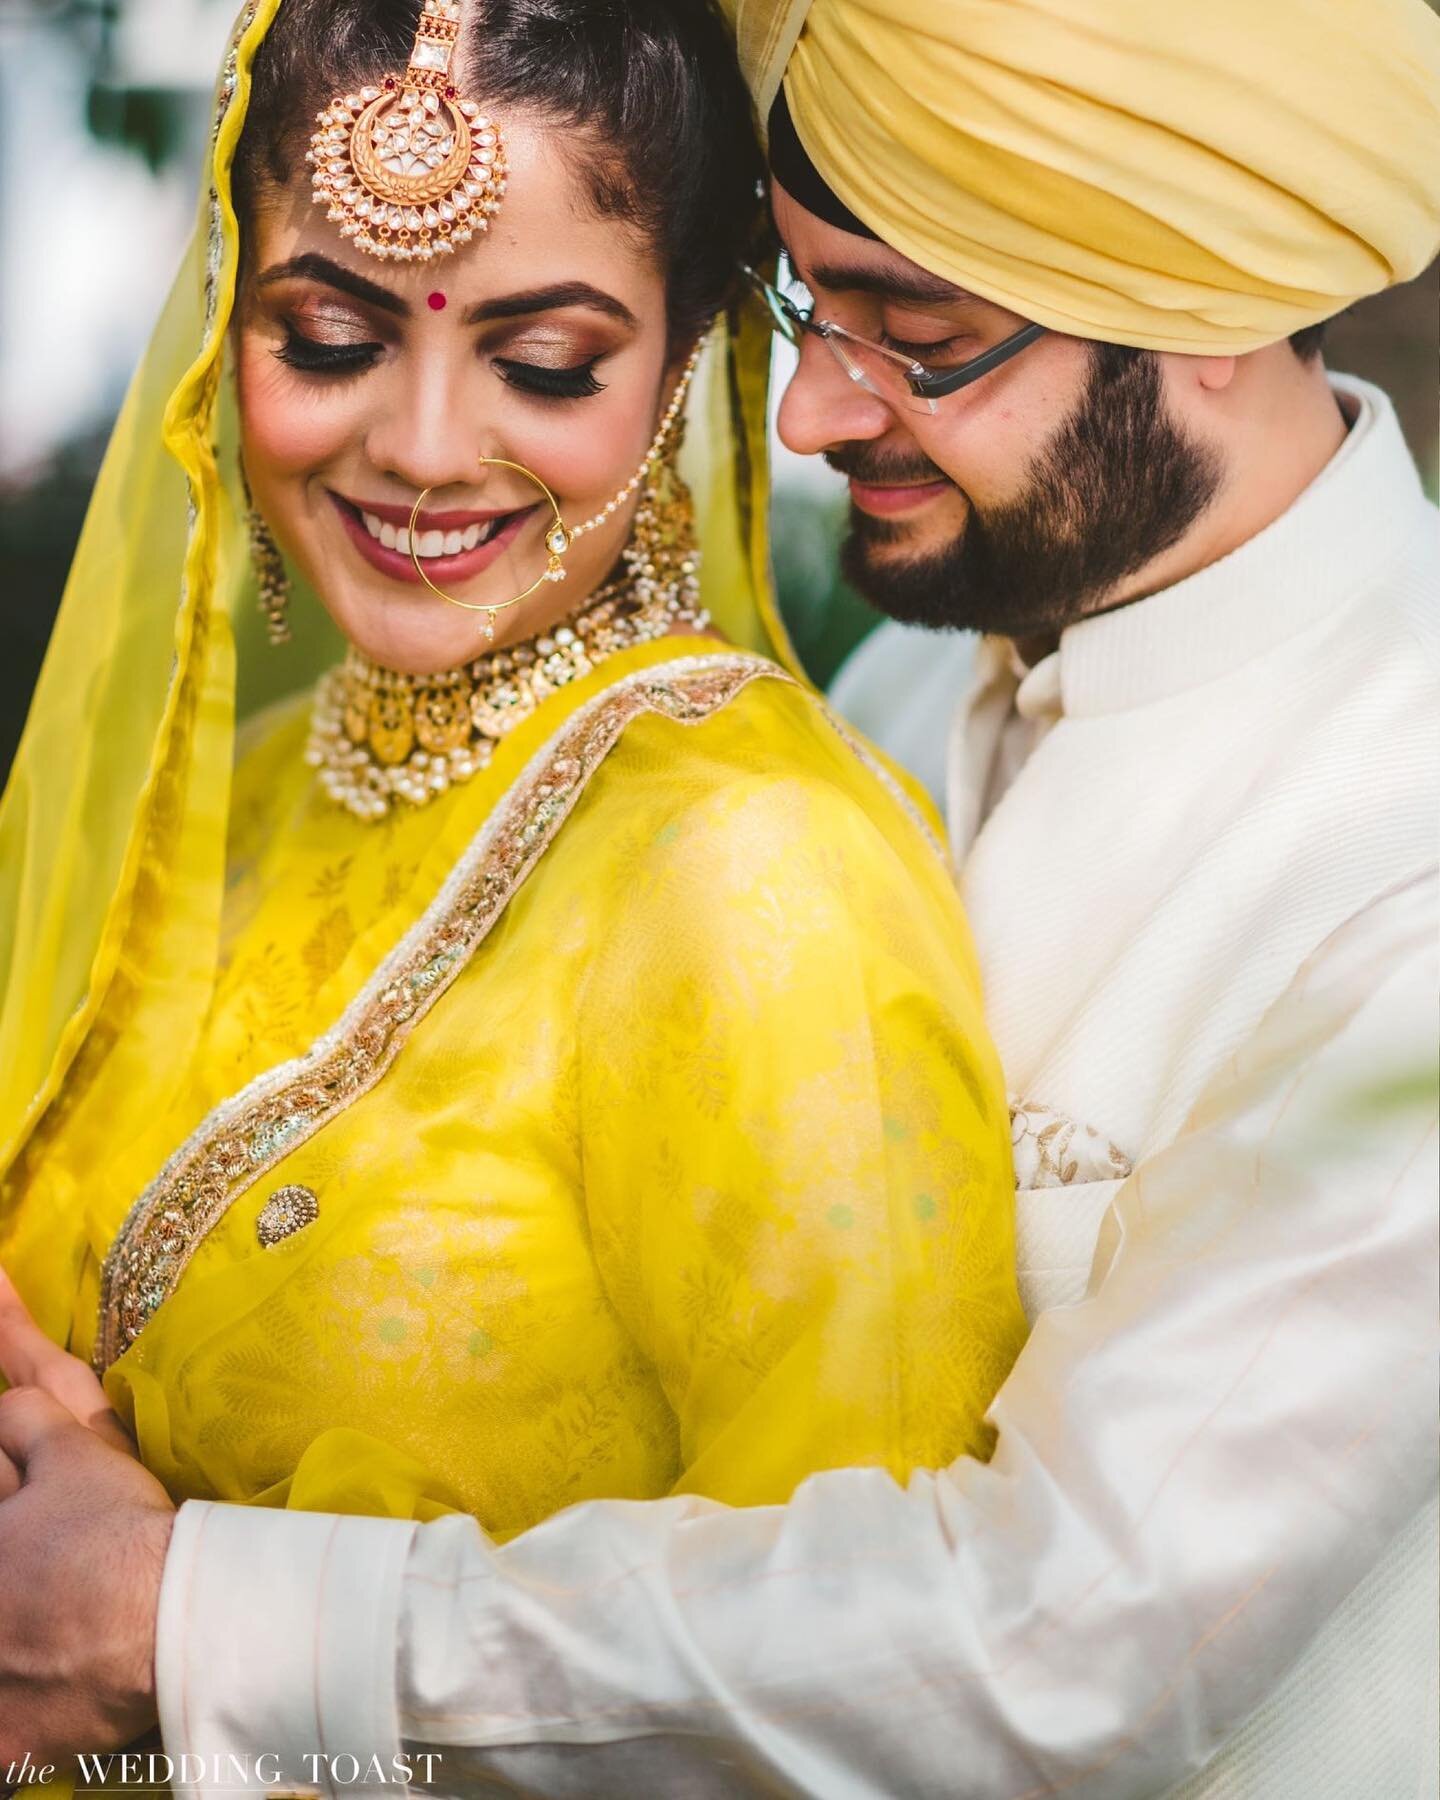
662, 552
557, 542
270, 576
664, 447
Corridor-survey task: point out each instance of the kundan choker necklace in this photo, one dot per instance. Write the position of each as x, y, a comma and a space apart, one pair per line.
377, 737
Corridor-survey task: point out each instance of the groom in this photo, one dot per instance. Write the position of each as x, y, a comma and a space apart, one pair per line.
1194, 793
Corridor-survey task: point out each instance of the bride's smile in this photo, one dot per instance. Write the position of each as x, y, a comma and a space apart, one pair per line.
455, 545
551, 348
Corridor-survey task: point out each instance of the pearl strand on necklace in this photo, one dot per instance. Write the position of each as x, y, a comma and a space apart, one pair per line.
378, 737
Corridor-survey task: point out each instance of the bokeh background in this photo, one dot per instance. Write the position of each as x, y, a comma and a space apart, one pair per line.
103, 110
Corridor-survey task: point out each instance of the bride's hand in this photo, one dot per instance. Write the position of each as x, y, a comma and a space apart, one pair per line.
29, 1359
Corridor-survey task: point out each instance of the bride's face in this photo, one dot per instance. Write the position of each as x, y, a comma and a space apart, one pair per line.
362, 382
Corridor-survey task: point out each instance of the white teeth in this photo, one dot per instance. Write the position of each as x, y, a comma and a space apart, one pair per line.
430, 543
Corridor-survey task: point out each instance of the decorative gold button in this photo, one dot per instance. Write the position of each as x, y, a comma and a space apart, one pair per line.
288, 1210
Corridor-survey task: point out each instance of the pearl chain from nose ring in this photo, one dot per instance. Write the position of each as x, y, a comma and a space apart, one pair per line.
672, 412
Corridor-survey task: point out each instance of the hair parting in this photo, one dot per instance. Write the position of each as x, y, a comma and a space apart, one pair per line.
664, 133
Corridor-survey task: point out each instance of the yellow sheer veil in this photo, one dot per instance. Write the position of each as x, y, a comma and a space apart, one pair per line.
113, 823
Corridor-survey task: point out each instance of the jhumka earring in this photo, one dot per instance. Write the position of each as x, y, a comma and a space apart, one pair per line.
662, 550
663, 499
272, 581
410, 169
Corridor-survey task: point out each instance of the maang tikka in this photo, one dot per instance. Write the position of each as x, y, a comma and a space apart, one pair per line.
410, 169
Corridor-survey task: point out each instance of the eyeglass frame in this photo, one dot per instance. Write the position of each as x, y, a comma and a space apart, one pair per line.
923, 383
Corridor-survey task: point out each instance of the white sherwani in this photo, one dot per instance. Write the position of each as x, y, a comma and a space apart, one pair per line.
1199, 847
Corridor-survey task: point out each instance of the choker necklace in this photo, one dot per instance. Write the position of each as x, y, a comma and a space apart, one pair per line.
377, 736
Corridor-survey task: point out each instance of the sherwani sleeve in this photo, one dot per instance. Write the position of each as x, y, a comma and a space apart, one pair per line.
1194, 1468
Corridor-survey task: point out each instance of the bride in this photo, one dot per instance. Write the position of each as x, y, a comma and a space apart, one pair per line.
541, 1058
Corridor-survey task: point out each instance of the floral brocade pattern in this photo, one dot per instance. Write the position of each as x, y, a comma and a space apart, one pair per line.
245, 1137
696, 1179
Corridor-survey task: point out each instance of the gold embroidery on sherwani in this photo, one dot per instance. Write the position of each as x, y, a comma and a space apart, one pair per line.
251, 1132
1052, 1150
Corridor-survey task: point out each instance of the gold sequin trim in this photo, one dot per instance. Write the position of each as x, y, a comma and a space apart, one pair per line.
280, 1110
892, 786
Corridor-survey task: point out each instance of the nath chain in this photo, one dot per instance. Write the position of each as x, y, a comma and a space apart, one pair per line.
652, 455
559, 536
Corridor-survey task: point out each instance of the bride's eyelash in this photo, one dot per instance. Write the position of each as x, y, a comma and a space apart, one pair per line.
314, 358
576, 383
311, 357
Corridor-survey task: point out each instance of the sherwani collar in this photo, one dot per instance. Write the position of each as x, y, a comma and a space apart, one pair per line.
1330, 545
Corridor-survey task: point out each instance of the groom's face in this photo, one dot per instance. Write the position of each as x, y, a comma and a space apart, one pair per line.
1026, 499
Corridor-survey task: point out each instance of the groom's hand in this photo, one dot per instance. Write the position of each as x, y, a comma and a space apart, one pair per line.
82, 1548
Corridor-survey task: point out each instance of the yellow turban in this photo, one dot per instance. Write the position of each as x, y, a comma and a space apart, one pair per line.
1197, 175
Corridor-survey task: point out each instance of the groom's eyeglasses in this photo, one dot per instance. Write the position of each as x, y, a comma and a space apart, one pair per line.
889, 374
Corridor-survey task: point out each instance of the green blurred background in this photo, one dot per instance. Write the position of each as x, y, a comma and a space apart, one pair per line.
116, 92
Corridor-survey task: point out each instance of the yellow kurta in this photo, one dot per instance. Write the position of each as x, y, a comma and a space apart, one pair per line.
694, 1177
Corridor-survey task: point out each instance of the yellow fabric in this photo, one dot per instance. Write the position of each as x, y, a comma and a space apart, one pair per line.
112, 823
697, 1176
1196, 177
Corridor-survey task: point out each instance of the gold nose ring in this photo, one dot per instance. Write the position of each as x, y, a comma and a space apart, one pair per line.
557, 542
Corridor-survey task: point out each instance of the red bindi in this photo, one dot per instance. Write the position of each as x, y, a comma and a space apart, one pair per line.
436, 302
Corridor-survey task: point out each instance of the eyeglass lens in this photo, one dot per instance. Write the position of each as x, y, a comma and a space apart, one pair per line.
869, 365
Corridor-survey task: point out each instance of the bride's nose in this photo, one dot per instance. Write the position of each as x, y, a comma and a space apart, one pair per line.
428, 434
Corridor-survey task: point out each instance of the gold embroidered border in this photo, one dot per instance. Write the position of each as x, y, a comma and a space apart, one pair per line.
862, 752
251, 1132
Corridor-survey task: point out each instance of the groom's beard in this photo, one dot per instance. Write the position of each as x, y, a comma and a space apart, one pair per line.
1116, 484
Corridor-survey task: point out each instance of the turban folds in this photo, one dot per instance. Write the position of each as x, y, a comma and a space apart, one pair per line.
1197, 175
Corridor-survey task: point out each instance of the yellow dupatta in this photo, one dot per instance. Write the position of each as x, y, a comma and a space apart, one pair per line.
113, 821
700, 1179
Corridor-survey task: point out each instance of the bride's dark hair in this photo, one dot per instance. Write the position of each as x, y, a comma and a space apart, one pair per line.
652, 84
